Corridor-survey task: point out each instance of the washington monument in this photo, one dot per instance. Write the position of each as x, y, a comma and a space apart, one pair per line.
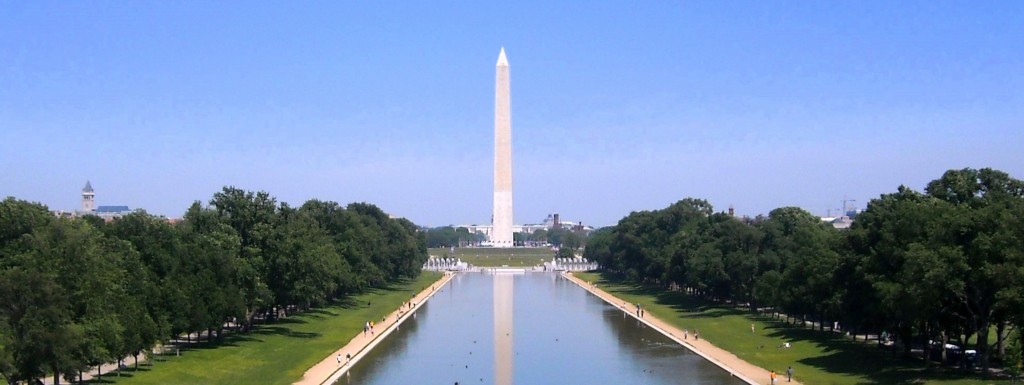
501, 221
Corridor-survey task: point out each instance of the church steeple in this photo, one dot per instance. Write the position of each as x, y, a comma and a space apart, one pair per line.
88, 198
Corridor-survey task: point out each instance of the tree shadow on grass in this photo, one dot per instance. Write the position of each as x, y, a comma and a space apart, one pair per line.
879, 367
686, 306
236, 339
127, 372
347, 303
320, 313
293, 320
103, 380
396, 286
876, 365
283, 331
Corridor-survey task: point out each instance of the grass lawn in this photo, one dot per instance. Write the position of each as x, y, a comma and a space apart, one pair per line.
816, 357
497, 257
277, 353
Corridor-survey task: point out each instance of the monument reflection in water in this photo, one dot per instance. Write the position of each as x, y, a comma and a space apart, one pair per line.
557, 333
503, 327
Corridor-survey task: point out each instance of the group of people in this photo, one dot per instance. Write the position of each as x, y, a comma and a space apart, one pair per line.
368, 328
696, 334
407, 306
789, 375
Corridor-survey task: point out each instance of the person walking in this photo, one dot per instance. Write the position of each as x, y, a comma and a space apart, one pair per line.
772, 375
789, 374
339, 359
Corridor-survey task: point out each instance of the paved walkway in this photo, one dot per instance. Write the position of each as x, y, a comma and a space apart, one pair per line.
329, 369
742, 369
108, 370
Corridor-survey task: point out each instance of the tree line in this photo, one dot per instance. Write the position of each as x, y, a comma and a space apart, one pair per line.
79, 292
555, 236
945, 265
450, 236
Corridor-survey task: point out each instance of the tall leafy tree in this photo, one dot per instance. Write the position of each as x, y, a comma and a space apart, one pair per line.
251, 216
987, 205
159, 291
19, 218
805, 248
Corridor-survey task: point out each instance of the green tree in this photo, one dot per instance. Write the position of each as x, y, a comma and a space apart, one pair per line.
572, 241
37, 329
1013, 363
599, 246
805, 247
252, 216
739, 244
159, 290
307, 268
19, 218
69, 320
988, 204
221, 283
81, 292
444, 236
539, 236
343, 227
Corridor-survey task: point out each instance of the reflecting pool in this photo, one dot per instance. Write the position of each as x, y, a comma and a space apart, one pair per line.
527, 328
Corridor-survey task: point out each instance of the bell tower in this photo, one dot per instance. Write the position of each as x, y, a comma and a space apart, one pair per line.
88, 199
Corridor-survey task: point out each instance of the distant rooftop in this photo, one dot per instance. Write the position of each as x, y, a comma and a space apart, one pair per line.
87, 188
112, 209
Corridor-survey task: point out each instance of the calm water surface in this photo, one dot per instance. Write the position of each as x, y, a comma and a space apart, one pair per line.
544, 330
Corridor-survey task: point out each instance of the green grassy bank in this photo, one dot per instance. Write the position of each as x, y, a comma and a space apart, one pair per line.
816, 357
497, 257
277, 353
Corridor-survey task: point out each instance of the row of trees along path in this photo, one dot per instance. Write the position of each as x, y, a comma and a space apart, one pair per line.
728, 361
942, 266
76, 293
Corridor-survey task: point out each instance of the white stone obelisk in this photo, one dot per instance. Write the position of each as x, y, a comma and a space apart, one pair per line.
501, 221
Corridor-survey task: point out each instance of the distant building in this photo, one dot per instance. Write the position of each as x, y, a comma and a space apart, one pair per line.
88, 199
842, 222
108, 213
552, 221
112, 209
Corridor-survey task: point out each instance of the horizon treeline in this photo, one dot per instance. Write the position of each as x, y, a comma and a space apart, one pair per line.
943, 265
452, 236
79, 292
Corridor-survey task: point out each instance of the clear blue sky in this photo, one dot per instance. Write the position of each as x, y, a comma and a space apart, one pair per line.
616, 106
